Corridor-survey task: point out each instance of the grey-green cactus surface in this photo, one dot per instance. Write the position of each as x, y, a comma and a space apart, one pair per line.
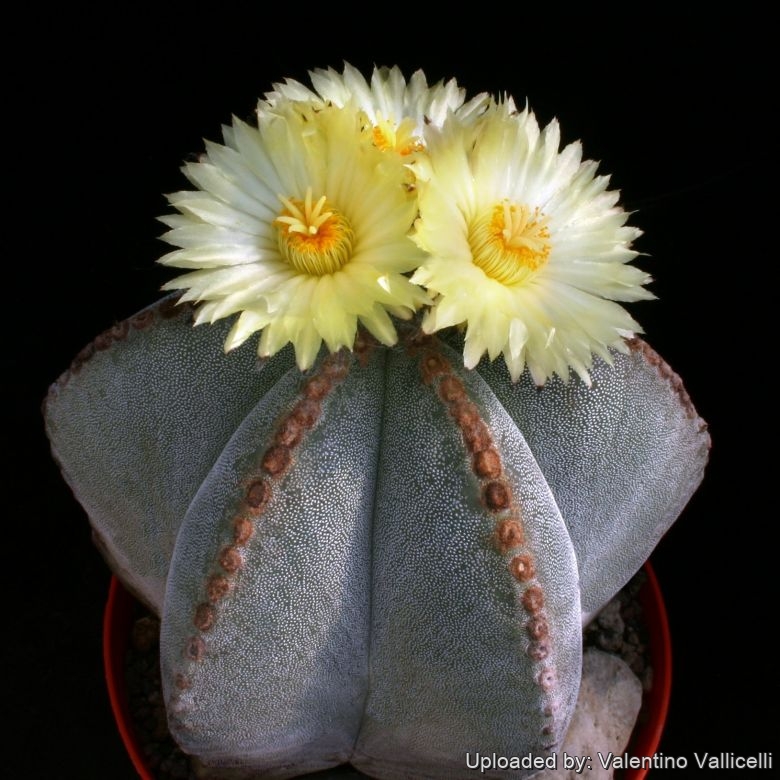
384, 560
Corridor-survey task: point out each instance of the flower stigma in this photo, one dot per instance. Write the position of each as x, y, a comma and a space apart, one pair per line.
314, 239
387, 135
510, 241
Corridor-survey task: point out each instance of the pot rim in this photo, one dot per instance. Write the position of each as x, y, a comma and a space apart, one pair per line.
647, 738
644, 743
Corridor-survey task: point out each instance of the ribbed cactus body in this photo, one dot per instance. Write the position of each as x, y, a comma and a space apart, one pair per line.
384, 560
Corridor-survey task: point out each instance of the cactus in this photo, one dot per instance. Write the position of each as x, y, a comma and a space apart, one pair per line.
385, 558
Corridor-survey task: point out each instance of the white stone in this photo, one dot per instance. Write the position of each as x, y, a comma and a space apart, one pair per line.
607, 708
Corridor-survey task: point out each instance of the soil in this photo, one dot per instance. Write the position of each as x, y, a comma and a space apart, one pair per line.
619, 628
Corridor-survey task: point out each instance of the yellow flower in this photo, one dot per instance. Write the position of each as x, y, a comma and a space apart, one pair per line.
398, 111
301, 225
527, 246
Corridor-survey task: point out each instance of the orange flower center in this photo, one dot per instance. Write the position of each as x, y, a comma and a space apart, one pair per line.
510, 241
387, 135
314, 238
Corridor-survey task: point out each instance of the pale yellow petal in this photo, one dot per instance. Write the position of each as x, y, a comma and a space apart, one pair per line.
525, 244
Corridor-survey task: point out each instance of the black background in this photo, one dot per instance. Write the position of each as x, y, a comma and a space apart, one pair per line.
107, 103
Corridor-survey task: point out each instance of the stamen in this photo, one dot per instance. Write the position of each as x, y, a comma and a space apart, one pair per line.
401, 138
313, 239
510, 241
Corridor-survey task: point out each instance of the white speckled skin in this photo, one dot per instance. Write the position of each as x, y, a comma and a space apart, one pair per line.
372, 617
137, 428
622, 458
449, 670
284, 677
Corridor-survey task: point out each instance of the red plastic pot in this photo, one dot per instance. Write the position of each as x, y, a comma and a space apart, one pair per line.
117, 623
647, 735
